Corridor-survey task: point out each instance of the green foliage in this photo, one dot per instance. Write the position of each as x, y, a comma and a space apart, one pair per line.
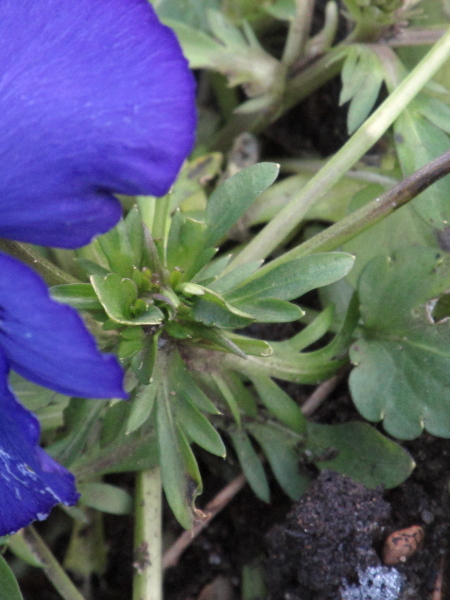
361, 452
9, 590
105, 498
172, 312
402, 356
362, 76
167, 291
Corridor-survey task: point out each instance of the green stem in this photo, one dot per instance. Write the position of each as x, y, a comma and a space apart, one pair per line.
52, 274
367, 135
333, 237
298, 32
147, 580
51, 568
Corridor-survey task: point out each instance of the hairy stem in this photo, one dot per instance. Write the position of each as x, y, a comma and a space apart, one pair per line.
147, 580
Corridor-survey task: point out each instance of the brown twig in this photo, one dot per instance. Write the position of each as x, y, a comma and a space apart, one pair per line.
322, 392
219, 502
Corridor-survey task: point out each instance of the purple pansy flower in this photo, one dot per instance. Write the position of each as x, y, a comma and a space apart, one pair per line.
47, 342
31, 482
95, 99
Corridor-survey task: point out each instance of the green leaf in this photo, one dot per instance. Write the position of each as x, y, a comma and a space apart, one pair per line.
200, 49
143, 361
106, 498
185, 387
235, 277
405, 227
188, 193
228, 203
131, 453
271, 310
9, 588
284, 10
251, 464
251, 346
218, 339
175, 479
213, 311
185, 246
288, 364
291, 280
192, 12
35, 397
142, 406
228, 396
279, 403
81, 296
198, 428
212, 271
246, 397
117, 295
80, 416
362, 76
363, 453
402, 358
117, 249
282, 456
192, 469
417, 142
90, 267
436, 112
135, 231
224, 30
312, 333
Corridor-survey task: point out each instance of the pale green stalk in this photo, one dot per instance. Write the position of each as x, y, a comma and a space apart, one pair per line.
147, 580
298, 32
279, 228
369, 214
51, 566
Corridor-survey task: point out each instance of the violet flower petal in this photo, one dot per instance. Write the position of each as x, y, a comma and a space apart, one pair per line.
31, 482
95, 98
47, 342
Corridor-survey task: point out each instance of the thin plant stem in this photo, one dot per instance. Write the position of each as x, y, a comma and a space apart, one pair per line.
370, 214
298, 32
52, 274
279, 228
322, 392
51, 566
219, 502
147, 579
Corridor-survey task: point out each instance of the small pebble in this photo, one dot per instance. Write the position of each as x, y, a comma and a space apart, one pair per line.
402, 544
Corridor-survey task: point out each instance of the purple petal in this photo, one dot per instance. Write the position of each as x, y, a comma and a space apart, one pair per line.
47, 342
31, 482
95, 98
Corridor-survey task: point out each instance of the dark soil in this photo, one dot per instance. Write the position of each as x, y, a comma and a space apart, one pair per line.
336, 530
330, 533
